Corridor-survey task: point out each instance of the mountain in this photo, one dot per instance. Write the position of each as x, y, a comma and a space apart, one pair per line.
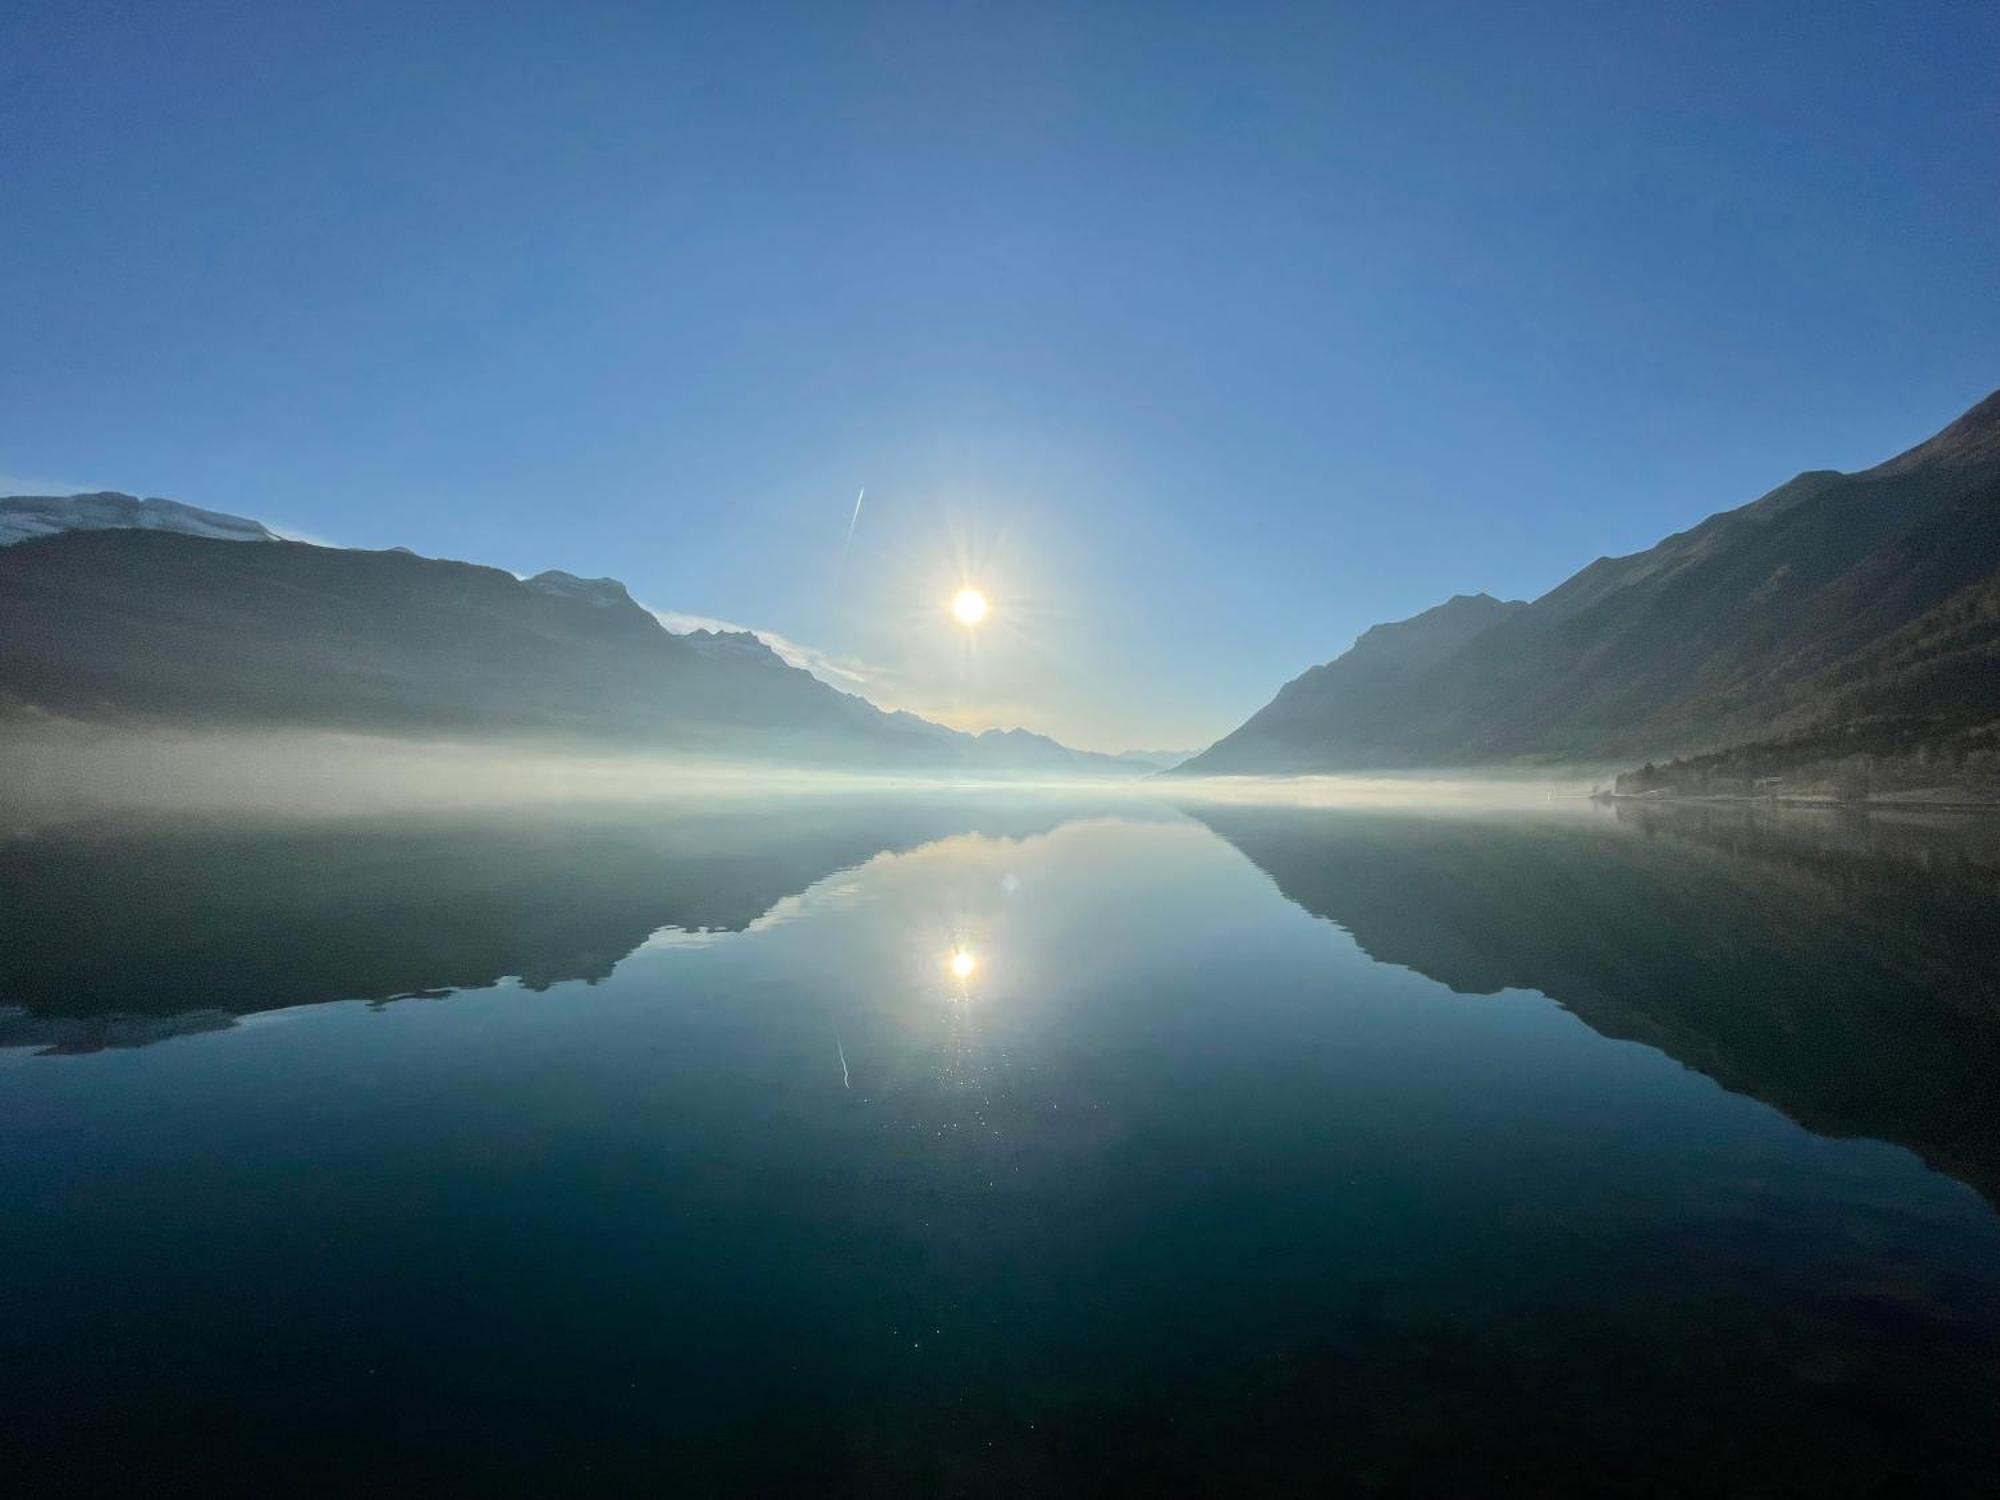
1916, 716
122, 611
1368, 684
1835, 599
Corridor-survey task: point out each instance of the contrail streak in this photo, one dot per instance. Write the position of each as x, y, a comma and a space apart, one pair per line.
853, 520
843, 1063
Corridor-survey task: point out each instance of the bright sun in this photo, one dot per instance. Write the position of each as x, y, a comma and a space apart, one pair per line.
963, 963
969, 605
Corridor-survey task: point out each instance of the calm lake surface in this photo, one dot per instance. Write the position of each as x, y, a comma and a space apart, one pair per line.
1261, 1150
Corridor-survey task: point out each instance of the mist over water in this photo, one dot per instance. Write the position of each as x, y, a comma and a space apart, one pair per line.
74, 770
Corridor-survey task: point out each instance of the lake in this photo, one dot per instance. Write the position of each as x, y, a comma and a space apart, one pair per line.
1002, 1144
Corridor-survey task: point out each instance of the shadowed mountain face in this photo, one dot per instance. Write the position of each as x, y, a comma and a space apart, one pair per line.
145, 626
1840, 969
123, 935
1834, 597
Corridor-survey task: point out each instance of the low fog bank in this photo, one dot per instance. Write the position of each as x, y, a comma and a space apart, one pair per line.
1470, 787
79, 772
74, 772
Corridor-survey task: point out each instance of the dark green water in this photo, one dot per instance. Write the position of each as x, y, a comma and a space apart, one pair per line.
1262, 1151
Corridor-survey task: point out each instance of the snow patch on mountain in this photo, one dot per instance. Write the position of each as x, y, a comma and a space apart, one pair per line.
25, 516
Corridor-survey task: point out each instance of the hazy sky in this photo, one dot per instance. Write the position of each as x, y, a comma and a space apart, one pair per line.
1206, 336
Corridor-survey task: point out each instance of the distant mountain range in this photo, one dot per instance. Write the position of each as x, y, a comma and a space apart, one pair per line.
1841, 618
149, 612
1844, 630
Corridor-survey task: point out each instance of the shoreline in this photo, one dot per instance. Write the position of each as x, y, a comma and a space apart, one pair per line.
1918, 803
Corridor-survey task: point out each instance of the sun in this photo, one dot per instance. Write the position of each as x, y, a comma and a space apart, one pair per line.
963, 963
969, 605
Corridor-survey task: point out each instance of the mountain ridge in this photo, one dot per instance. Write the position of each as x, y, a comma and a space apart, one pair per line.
179, 622
1737, 627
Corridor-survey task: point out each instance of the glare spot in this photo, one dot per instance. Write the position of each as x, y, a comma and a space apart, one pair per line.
963, 963
969, 605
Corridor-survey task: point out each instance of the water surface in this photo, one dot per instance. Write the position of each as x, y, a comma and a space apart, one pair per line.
1262, 1150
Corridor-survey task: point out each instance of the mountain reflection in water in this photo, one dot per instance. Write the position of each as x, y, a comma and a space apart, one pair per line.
997, 1145
1841, 967
1838, 966
122, 934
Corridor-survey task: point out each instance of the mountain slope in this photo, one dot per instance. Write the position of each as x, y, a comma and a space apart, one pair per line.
1913, 717
164, 627
1757, 620
1365, 686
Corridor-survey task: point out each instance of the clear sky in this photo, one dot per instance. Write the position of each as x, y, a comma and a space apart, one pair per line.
1203, 336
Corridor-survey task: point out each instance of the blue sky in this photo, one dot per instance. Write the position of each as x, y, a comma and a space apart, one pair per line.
1203, 336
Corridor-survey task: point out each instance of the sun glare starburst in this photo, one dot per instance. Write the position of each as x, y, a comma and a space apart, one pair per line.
963, 963
969, 606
